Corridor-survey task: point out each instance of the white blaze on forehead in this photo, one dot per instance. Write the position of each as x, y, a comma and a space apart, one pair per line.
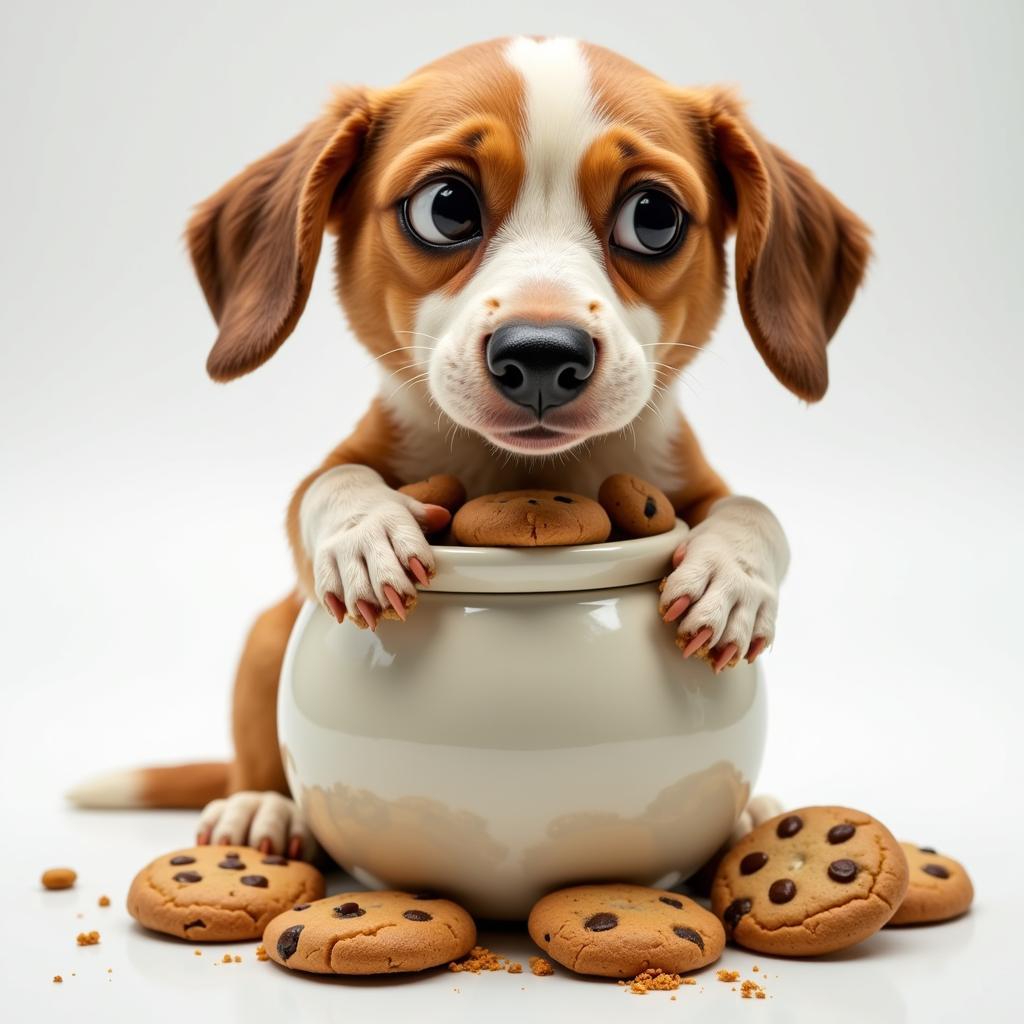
560, 125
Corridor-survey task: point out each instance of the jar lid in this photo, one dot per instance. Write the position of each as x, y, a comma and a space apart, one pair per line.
619, 563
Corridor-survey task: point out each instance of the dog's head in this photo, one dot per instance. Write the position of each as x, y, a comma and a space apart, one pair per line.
538, 226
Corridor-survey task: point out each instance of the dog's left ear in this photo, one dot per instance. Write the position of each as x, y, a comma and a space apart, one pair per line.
255, 242
800, 253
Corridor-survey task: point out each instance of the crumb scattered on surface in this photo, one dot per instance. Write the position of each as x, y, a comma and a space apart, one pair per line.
238, 959
480, 958
58, 878
724, 975
226, 958
57, 979
198, 952
103, 901
654, 979
261, 953
751, 990
689, 981
88, 938
541, 967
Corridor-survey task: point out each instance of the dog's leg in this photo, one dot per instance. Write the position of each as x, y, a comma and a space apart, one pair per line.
723, 593
257, 812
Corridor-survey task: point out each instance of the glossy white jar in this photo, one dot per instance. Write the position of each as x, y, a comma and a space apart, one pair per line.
532, 725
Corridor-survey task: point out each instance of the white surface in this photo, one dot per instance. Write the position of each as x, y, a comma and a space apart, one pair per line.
927, 974
142, 505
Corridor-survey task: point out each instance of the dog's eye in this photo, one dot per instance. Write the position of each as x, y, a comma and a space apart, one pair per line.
649, 222
443, 212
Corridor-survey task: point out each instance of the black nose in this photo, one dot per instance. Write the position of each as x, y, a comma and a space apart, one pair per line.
540, 366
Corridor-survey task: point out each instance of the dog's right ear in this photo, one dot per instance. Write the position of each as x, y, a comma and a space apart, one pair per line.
255, 242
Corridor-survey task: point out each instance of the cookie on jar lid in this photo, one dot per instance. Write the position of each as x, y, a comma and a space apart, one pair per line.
635, 507
617, 931
810, 881
370, 933
527, 519
441, 489
940, 888
219, 893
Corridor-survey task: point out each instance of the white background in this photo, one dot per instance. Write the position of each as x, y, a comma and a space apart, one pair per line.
143, 505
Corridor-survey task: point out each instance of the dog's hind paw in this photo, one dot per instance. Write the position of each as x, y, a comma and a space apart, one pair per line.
268, 821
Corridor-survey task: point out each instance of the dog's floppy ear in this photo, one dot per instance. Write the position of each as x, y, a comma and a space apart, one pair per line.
255, 242
800, 253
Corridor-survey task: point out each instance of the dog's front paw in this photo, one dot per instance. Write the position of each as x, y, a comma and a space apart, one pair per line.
269, 821
723, 593
367, 545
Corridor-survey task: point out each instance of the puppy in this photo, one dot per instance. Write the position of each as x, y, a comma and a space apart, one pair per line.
530, 239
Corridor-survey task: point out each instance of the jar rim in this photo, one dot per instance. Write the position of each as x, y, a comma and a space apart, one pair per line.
617, 563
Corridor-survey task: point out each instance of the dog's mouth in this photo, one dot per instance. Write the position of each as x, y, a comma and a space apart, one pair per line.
536, 439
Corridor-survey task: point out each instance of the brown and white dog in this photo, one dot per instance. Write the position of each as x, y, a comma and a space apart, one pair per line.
531, 240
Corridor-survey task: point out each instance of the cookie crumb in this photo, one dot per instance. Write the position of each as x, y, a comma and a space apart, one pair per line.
750, 989
103, 901
689, 981
198, 952
261, 953
57, 979
88, 938
480, 958
541, 967
110, 970
58, 878
724, 975
238, 959
226, 958
755, 968
653, 980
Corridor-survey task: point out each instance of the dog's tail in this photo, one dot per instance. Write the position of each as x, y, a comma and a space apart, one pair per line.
180, 786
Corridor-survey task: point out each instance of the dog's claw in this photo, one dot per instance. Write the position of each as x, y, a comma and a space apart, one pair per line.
676, 609
678, 555
697, 641
335, 607
395, 600
756, 648
203, 838
724, 657
266, 846
295, 847
417, 569
369, 613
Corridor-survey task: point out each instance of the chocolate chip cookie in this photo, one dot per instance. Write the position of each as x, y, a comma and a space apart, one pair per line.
635, 507
810, 881
370, 933
620, 930
527, 519
940, 888
219, 893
